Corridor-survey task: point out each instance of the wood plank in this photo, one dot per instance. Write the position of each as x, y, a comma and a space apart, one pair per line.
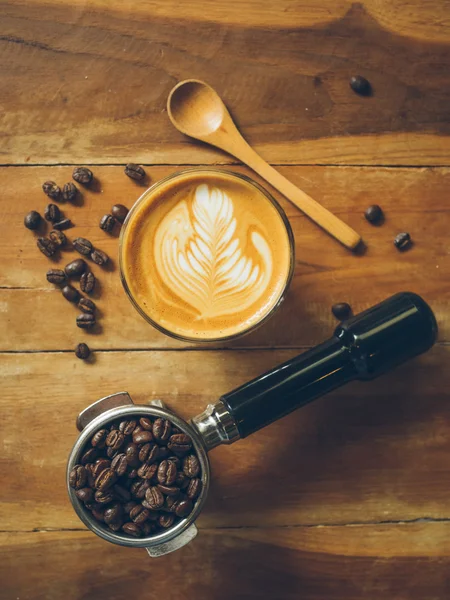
379, 562
88, 81
414, 200
368, 452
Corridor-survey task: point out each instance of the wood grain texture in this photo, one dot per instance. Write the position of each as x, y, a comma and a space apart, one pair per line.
88, 80
415, 200
355, 563
369, 452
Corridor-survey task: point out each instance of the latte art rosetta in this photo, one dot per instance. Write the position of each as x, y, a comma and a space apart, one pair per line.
202, 259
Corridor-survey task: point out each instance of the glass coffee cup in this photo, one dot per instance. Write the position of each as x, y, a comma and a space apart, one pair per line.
206, 255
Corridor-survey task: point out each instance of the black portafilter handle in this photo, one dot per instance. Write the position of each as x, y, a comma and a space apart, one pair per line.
362, 347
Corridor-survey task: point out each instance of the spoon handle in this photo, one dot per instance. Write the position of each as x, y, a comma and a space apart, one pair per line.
315, 211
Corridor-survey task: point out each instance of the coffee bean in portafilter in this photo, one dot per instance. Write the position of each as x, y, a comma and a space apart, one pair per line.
119, 212
82, 175
135, 172
152, 481
32, 220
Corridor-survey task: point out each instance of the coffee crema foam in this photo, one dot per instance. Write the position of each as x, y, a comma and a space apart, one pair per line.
206, 255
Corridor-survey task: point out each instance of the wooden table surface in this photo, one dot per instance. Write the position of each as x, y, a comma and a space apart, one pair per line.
347, 499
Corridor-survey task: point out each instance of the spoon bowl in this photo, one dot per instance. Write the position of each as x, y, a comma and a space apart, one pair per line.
195, 108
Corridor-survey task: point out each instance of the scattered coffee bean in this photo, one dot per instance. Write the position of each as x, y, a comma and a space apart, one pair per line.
46, 246
75, 268
119, 212
70, 293
402, 241
191, 466
52, 213
85, 321
119, 464
167, 472
82, 175
146, 424
58, 238
154, 498
162, 430
180, 443
87, 282
107, 223
82, 351
127, 427
360, 85
32, 220
57, 276
135, 172
374, 214
341, 310
194, 488
78, 477
52, 190
102, 463
64, 224
99, 257
83, 246
142, 437
132, 529
183, 508
69, 192
85, 494
87, 306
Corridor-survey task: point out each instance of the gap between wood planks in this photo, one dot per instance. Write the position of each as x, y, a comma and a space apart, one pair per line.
226, 163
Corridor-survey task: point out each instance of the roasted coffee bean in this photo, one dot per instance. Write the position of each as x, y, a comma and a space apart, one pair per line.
90, 474
360, 85
194, 488
149, 453
58, 238
127, 427
85, 494
85, 321
93, 505
82, 351
105, 480
191, 466
169, 490
139, 514
115, 439
56, 276
75, 268
113, 514
154, 498
119, 212
78, 477
132, 454
135, 172
374, 214
99, 514
166, 521
183, 508
145, 504
82, 175
104, 497
146, 423
69, 192
132, 529
111, 452
87, 306
180, 443
89, 456
83, 246
139, 488
115, 526
113, 426
402, 241
99, 257
52, 213
169, 504
121, 493
341, 310
131, 474
162, 430
163, 452
99, 439
63, 224
142, 437
100, 465
51, 190
147, 471
182, 481
87, 282
148, 528
128, 506
167, 472
46, 246
176, 460
32, 220
107, 223
70, 293
119, 464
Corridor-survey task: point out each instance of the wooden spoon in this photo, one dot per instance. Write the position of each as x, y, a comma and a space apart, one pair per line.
197, 110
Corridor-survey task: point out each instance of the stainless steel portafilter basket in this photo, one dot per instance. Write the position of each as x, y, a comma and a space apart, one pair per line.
363, 347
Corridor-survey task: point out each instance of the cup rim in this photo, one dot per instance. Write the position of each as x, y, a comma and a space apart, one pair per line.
119, 538
291, 241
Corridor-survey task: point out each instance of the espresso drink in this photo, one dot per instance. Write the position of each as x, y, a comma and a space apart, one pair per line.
206, 255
